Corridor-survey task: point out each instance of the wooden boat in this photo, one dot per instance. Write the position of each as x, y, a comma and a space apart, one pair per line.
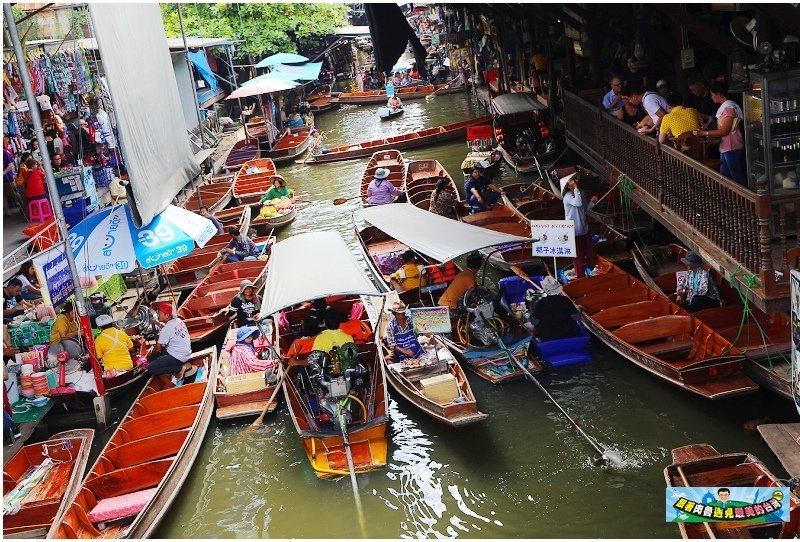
215, 196
253, 179
320, 100
256, 128
407, 381
413, 92
421, 179
47, 500
239, 216
766, 340
409, 140
142, 468
252, 400
242, 151
187, 272
387, 113
524, 124
313, 406
502, 218
489, 160
122, 382
657, 335
701, 465
264, 226
205, 310
391, 160
381, 250
291, 145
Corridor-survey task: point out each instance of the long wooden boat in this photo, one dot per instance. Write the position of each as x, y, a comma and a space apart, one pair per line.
253, 179
387, 113
242, 151
389, 159
320, 100
58, 482
701, 465
215, 196
256, 128
766, 340
408, 382
140, 471
252, 400
239, 216
291, 145
264, 225
421, 179
409, 140
205, 310
319, 397
187, 272
658, 335
382, 253
502, 218
414, 92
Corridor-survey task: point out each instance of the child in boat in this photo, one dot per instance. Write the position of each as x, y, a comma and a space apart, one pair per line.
244, 358
113, 346
400, 337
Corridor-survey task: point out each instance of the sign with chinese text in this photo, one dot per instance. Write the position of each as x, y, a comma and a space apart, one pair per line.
555, 238
795, 279
711, 504
54, 268
431, 320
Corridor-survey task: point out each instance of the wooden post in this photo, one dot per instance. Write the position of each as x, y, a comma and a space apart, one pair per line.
764, 214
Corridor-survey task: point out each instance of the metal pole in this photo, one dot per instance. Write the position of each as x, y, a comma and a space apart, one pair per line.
233, 73
189, 65
52, 190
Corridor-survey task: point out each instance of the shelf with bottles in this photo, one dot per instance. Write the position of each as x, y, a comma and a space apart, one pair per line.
784, 106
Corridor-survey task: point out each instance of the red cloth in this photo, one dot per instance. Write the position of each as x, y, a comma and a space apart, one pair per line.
35, 185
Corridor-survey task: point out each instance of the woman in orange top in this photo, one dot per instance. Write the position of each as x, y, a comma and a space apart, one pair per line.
305, 344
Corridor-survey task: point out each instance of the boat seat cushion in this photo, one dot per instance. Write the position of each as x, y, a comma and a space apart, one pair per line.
122, 506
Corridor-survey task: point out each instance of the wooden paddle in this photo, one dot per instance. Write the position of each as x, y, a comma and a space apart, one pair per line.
339, 201
432, 94
260, 419
524, 276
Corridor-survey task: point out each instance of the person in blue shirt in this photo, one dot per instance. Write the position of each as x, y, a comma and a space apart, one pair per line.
206, 214
612, 101
481, 193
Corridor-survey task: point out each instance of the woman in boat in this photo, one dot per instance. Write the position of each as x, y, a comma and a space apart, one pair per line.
31, 290
64, 335
97, 306
698, 292
302, 346
294, 120
244, 358
409, 276
400, 337
554, 316
246, 303
113, 346
380, 191
575, 207
277, 190
394, 103
442, 199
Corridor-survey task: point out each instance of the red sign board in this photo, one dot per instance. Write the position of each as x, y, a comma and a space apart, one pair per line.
484, 131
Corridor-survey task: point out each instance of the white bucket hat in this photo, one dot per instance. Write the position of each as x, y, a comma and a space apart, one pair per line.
551, 286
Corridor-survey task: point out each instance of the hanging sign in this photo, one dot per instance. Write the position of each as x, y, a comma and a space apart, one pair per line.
554, 238
795, 279
431, 320
54, 267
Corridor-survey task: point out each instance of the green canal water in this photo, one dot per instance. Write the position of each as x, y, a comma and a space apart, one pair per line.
525, 472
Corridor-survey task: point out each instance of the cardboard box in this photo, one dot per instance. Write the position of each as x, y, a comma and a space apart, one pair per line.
442, 389
246, 382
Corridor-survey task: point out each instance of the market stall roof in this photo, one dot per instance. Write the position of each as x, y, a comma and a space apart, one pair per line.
174, 44
281, 58
517, 102
436, 236
309, 266
262, 86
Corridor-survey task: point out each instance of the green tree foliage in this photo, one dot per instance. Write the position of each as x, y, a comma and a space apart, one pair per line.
264, 28
28, 30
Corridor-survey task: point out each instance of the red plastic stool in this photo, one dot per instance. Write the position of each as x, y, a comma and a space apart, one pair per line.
39, 210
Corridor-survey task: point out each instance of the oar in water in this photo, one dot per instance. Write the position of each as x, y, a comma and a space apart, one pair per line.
339, 201
260, 419
601, 457
352, 468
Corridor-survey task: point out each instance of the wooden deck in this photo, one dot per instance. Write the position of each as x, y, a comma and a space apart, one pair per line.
784, 440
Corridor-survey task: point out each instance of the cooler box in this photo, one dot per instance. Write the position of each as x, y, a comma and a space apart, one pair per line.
245, 382
442, 389
76, 211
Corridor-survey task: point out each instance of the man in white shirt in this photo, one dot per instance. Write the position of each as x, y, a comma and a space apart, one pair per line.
654, 104
575, 207
174, 346
612, 101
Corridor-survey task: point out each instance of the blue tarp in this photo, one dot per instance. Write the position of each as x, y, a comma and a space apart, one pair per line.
281, 58
201, 63
304, 72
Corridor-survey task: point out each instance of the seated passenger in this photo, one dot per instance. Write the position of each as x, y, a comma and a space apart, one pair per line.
247, 304
332, 336
380, 190
277, 190
481, 193
64, 334
400, 337
240, 248
465, 280
113, 346
305, 344
442, 199
409, 276
554, 315
244, 358
394, 103
699, 292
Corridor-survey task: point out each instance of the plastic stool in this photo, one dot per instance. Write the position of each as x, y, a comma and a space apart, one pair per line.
39, 210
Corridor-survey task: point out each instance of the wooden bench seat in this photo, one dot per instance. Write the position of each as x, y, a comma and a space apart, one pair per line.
667, 347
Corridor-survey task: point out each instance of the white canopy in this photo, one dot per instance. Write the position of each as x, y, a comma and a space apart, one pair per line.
309, 266
436, 236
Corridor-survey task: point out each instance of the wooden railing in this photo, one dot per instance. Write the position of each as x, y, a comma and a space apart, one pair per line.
739, 222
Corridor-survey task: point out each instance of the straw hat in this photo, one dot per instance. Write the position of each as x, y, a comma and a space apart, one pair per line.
398, 307
551, 286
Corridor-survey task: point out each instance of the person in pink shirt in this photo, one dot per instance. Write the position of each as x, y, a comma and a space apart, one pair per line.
731, 147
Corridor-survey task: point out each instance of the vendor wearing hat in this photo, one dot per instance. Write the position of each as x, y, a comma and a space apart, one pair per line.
246, 304
400, 337
277, 190
698, 291
113, 346
174, 346
244, 358
381, 190
554, 316
97, 306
